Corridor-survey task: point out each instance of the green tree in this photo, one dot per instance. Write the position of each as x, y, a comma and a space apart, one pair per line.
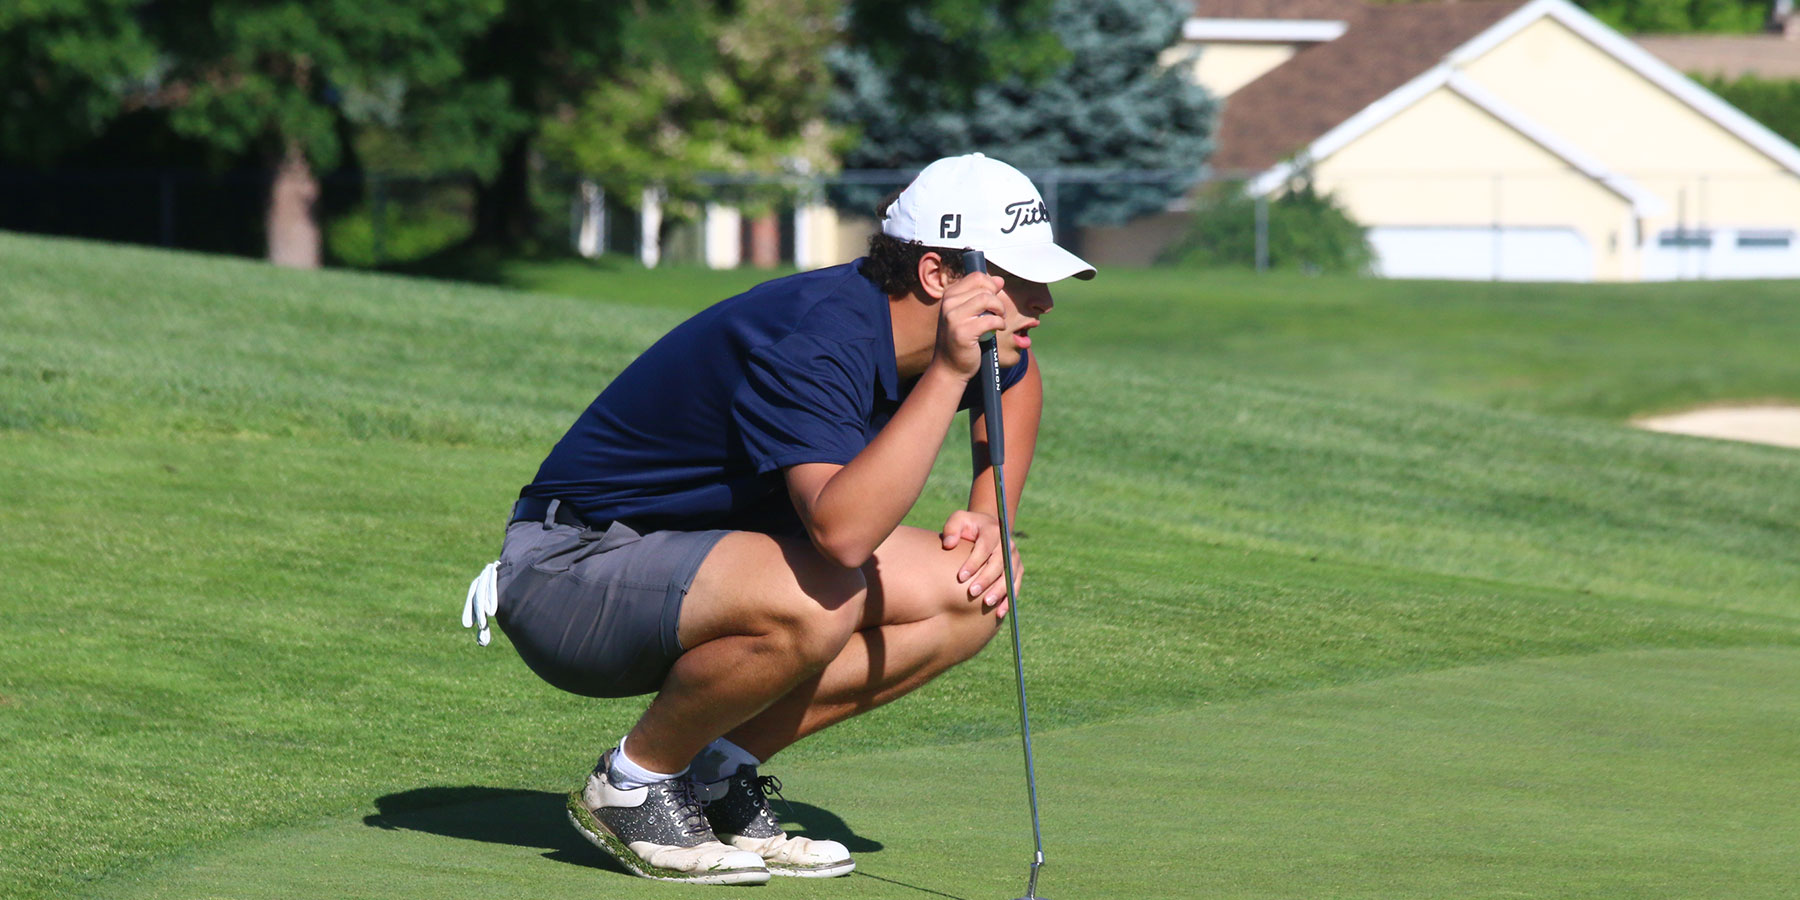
703, 90
728, 93
291, 78
67, 67
1775, 102
1740, 16
637, 93
544, 52
1107, 103
947, 49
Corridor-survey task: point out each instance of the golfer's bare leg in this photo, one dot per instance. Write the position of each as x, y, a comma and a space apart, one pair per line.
917, 622
763, 615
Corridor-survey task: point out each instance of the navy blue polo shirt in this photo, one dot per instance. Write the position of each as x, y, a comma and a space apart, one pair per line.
695, 433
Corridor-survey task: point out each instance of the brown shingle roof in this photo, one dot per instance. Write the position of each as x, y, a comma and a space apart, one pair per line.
1338, 10
1731, 55
1279, 114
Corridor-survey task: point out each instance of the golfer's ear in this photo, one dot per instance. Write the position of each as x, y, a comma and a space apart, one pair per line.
934, 276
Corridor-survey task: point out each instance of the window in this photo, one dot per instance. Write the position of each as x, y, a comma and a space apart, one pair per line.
1684, 237
1764, 239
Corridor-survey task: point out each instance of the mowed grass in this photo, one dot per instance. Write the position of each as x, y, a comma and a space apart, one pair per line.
1349, 588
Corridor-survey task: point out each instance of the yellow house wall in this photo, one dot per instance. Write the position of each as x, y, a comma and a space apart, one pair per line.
848, 239
1136, 243
1703, 173
1222, 68
1445, 161
822, 245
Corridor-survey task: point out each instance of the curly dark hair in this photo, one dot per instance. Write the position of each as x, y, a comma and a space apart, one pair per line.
893, 264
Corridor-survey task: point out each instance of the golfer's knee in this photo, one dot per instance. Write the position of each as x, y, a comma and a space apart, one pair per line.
955, 601
971, 621
814, 625
981, 630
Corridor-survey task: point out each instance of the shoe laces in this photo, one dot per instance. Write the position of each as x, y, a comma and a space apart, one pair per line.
770, 786
689, 808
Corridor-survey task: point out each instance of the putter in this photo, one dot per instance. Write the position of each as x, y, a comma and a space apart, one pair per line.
976, 261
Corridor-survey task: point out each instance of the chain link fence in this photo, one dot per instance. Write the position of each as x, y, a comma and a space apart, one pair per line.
1475, 224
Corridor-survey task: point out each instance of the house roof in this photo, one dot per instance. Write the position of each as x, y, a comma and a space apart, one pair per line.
1284, 111
1277, 9
1447, 73
1731, 55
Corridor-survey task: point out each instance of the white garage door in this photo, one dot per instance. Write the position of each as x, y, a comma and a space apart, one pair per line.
1507, 254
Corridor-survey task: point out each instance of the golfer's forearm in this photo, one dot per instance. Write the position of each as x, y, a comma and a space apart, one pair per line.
865, 500
1022, 407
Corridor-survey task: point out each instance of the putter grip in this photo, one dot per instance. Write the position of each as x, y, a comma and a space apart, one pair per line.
976, 261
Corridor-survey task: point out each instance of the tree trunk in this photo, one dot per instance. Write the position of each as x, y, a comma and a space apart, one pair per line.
293, 226
503, 213
765, 241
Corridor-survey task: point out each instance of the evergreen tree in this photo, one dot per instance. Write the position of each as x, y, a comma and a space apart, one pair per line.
1109, 104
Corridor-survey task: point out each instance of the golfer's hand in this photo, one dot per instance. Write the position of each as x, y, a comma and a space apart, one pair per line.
970, 308
983, 572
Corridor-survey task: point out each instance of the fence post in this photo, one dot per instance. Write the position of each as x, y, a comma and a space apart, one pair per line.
650, 229
1704, 270
1499, 233
1051, 182
1262, 232
378, 218
168, 209
590, 226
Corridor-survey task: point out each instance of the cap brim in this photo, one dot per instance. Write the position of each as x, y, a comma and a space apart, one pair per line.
1040, 262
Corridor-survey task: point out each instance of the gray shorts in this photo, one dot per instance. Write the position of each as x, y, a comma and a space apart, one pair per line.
595, 613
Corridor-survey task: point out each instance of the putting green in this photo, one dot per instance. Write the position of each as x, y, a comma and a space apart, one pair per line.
1635, 774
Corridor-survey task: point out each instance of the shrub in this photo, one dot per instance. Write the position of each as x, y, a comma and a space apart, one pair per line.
418, 219
1775, 102
1307, 230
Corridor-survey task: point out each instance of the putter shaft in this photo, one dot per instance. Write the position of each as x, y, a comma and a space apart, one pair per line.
976, 261
1037, 834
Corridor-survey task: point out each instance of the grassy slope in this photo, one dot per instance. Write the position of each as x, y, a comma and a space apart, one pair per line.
1607, 351
241, 504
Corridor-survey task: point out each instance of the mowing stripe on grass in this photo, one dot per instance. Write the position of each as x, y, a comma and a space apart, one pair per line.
1634, 774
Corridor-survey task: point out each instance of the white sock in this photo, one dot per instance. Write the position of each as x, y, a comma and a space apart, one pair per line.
720, 760
629, 776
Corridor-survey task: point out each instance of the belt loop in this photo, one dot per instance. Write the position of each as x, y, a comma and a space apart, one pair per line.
550, 514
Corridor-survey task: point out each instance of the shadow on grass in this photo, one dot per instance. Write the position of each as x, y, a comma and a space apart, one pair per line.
538, 819
468, 261
897, 883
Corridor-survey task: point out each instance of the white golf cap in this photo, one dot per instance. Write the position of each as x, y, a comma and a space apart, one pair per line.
975, 203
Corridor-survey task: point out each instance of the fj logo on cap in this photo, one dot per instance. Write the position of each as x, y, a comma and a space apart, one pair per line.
950, 225
1025, 213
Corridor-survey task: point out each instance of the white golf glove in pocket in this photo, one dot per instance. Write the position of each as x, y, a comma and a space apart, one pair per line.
482, 603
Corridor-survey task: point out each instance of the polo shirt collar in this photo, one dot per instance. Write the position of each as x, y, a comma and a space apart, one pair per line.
887, 369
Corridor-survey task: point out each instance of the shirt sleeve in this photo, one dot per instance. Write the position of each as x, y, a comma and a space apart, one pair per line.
805, 399
1009, 376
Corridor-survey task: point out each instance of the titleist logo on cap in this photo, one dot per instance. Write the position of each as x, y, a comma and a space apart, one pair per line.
1025, 212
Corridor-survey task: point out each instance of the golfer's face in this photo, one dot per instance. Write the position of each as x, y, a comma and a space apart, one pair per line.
1025, 302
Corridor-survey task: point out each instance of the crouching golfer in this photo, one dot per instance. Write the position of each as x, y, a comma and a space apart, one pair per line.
722, 525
